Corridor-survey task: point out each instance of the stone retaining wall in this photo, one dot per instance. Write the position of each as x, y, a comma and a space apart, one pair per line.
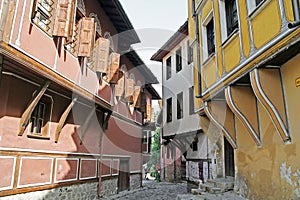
135, 181
75, 192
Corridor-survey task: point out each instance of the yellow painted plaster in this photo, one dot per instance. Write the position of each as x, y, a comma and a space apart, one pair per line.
206, 9
266, 24
191, 21
232, 53
289, 10
218, 37
209, 72
262, 168
244, 27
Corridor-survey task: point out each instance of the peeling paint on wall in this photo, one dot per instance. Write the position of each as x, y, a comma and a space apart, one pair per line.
291, 177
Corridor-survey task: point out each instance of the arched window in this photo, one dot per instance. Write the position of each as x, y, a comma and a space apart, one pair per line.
81, 7
108, 36
98, 28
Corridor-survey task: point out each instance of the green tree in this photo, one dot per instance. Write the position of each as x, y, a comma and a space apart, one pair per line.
155, 154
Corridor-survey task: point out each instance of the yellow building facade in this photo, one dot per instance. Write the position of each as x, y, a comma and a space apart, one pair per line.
247, 81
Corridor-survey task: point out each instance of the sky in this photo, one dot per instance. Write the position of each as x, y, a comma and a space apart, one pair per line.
155, 21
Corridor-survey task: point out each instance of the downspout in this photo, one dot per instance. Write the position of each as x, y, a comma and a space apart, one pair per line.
296, 11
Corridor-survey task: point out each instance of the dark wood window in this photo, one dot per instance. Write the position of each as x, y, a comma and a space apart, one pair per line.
258, 2
210, 37
231, 16
169, 109
169, 67
190, 54
40, 118
191, 98
180, 105
194, 145
178, 60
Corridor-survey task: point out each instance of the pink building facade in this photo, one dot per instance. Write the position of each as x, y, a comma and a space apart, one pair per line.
73, 99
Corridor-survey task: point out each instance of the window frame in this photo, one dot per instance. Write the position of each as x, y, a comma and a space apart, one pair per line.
179, 59
210, 38
168, 67
35, 129
191, 101
180, 105
231, 10
190, 53
169, 110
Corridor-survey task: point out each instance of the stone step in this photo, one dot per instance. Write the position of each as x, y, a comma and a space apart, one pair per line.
223, 183
210, 189
197, 191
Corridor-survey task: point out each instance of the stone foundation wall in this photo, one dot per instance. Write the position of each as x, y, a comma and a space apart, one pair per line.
109, 186
75, 192
135, 181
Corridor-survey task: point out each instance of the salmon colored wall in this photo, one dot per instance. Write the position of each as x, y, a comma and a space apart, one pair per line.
123, 138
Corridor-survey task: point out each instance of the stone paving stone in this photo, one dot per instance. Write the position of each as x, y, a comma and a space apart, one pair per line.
152, 190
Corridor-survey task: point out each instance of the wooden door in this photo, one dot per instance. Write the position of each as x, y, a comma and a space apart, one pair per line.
124, 175
229, 158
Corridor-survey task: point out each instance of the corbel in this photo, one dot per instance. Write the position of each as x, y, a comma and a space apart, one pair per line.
63, 119
27, 113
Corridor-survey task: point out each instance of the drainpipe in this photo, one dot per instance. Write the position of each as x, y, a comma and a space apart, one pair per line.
296, 11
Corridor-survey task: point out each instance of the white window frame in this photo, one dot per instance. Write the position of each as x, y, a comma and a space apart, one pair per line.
209, 17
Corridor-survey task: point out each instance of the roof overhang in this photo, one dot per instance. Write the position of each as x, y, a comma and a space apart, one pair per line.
121, 22
174, 40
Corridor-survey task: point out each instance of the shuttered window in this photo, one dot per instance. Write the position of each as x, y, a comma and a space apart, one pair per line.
180, 105
129, 90
86, 36
119, 87
149, 112
64, 19
113, 68
178, 60
143, 102
42, 14
100, 55
136, 96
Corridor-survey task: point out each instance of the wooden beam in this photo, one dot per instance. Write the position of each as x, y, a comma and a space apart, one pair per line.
63, 119
83, 128
268, 89
27, 113
219, 113
242, 102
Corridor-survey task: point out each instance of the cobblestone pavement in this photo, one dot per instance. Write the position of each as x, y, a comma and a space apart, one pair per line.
152, 190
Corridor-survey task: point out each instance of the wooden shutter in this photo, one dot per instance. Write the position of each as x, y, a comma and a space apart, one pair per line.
119, 87
114, 63
64, 18
136, 96
148, 111
86, 36
101, 55
143, 102
129, 90
35, 6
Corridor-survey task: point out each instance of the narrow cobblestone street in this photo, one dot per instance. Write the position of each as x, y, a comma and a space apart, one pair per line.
153, 190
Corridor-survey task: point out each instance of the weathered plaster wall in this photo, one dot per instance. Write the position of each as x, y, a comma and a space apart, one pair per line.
272, 171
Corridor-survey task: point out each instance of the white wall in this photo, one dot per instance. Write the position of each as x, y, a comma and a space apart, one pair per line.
179, 82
